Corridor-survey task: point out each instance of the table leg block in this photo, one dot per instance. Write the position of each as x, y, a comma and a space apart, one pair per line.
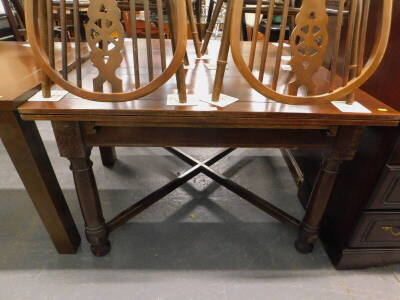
28, 154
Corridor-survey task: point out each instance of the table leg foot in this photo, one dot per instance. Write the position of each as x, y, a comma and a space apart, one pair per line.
108, 156
305, 240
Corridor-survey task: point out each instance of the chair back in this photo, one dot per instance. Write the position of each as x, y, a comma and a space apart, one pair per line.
322, 65
124, 68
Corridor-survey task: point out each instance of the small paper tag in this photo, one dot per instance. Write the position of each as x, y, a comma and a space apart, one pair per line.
224, 100
56, 95
284, 45
211, 66
286, 67
204, 57
356, 107
173, 100
189, 67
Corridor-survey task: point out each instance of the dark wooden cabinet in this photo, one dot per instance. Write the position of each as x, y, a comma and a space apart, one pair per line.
362, 225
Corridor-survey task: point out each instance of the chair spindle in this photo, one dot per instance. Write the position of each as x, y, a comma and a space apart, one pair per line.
64, 37
336, 47
280, 45
135, 52
160, 17
148, 40
267, 36
77, 39
254, 38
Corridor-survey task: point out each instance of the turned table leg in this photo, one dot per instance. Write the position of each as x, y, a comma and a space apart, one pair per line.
344, 149
86, 188
28, 154
72, 146
309, 229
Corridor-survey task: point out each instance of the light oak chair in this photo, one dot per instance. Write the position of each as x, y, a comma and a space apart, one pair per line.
307, 50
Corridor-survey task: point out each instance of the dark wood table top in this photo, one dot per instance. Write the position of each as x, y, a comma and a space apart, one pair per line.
245, 113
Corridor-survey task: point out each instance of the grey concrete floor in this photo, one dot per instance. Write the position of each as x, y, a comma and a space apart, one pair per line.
200, 242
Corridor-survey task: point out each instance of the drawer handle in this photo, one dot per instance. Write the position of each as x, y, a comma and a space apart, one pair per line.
395, 231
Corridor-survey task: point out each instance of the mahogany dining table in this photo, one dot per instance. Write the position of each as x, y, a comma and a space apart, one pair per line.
252, 122
20, 79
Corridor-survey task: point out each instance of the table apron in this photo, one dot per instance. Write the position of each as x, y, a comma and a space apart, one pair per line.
208, 137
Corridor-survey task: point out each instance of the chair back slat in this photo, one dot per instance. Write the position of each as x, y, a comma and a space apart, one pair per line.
350, 41
336, 45
363, 35
132, 13
46, 83
77, 40
267, 37
50, 32
160, 17
279, 51
148, 40
64, 37
254, 38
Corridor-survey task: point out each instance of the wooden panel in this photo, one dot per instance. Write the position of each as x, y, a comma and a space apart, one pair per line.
395, 157
377, 230
381, 85
387, 191
205, 137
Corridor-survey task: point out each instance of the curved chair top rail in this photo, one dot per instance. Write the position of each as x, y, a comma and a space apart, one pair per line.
105, 37
345, 64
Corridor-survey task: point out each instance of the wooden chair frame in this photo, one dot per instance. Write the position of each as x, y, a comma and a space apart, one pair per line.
32, 9
231, 40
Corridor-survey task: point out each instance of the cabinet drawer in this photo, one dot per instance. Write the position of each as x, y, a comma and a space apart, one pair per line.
387, 191
377, 230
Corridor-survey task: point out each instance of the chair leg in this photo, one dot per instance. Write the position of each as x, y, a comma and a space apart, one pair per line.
309, 228
181, 73
72, 146
108, 156
211, 26
193, 27
222, 56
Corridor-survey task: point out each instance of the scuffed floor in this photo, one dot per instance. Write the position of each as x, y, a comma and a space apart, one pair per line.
200, 242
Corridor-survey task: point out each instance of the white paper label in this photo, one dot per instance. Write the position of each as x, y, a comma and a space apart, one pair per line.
173, 100
56, 95
211, 66
286, 67
356, 107
204, 57
189, 67
224, 100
